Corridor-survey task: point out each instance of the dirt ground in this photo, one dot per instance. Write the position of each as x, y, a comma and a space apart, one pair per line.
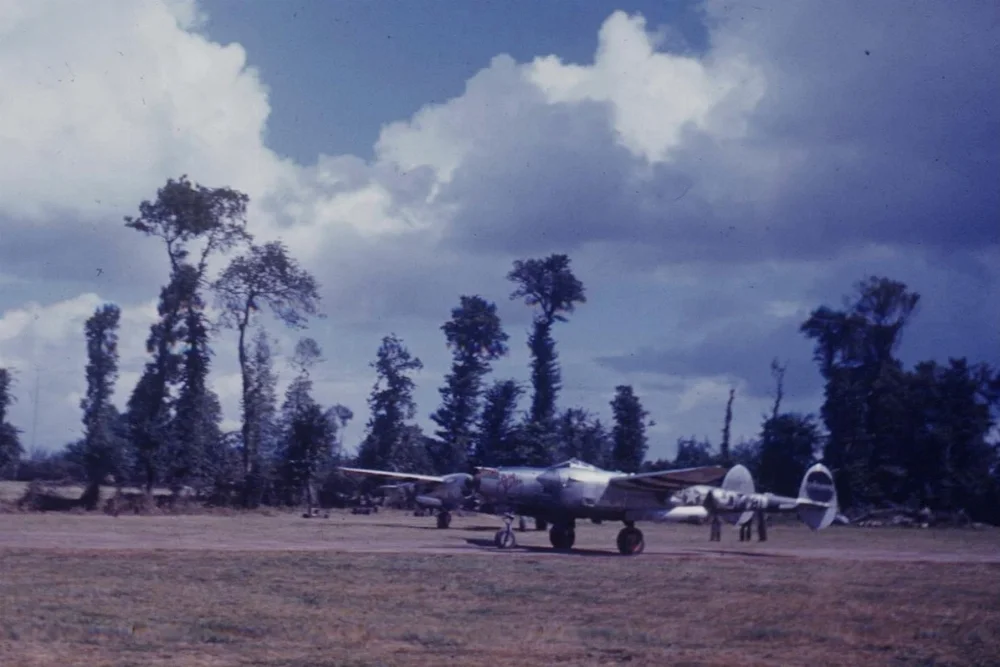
391, 589
397, 532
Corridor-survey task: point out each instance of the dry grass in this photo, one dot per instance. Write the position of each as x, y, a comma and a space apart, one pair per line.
67, 597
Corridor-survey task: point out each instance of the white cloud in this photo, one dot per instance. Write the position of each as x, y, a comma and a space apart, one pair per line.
104, 100
656, 97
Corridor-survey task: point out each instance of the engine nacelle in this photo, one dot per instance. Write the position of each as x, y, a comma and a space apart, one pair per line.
429, 501
464, 482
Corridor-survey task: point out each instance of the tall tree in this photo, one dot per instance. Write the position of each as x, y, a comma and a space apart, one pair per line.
497, 436
310, 433
550, 285
103, 447
629, 430
778, 373
194, 222
724, 448
194, 426
475, 337
264, 276
149, 406
185, 215
582, 436
262, 408
949, 458
788, 447
855, 349
747, 453
10, 442
390, 440
693, 453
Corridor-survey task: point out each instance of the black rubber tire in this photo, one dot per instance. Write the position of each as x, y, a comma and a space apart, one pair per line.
504, 539
631, 542
562, 538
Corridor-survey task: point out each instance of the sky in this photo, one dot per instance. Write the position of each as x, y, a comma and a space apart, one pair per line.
715, 170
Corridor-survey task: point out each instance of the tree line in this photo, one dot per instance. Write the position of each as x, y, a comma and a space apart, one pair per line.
891, 435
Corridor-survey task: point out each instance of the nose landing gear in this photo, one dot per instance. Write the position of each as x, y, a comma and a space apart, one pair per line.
504, 538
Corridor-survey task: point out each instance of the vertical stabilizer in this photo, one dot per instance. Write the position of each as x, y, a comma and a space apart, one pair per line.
817, 506
738, 480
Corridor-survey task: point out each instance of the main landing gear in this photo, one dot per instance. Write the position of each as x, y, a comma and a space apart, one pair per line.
630, 540
562, 536
443, 519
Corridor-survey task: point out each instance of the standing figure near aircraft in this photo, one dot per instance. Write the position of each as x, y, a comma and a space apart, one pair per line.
716, 534
746, 531
761, 527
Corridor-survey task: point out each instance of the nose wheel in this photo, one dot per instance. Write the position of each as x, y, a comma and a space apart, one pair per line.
630, 540
504, 538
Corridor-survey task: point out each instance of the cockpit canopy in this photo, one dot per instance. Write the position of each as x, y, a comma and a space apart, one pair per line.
574, 464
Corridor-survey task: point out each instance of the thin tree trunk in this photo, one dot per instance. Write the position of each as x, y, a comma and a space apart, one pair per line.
91, 495
247, 411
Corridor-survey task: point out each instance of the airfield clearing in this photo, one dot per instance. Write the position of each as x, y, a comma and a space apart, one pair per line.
282, 590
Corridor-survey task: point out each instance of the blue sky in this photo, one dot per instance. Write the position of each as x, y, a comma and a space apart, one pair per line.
339, 70
715, 170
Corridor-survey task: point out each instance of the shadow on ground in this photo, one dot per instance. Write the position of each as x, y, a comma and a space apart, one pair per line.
488, 544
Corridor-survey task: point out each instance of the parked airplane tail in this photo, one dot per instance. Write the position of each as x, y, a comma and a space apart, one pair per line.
736, 500
817, 505
738, 481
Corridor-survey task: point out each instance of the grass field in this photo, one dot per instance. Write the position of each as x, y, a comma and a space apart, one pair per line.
282, 590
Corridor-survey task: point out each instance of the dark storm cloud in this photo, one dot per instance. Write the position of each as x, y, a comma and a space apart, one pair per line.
898, 146
957, 314
737, 349
543, 180
82, 256
736, 336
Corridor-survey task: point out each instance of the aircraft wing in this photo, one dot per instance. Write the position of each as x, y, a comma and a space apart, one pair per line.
669, 480
398, 475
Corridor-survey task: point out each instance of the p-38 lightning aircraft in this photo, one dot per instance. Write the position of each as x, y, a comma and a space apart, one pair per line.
573, 490
444, 493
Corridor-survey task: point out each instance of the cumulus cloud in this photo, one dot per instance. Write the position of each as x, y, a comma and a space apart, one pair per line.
782, 142
656, 98
689, 188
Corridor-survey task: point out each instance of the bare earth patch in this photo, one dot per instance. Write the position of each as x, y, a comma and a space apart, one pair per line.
391, 589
